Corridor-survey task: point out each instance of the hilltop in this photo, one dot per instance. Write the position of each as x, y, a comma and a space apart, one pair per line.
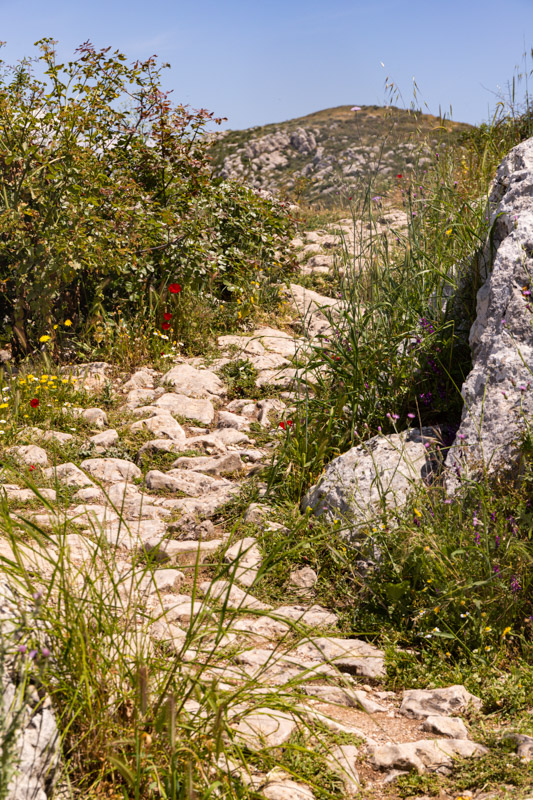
334, 151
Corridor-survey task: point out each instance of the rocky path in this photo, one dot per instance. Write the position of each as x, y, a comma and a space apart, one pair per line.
200, 449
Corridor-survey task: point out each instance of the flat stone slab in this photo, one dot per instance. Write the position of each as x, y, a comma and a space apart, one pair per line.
30, 454
111, 469
265, 727
246, 557
231, 596
452, 727
188, 407
193, 382
215, 465
425, 755
163, 426
190, 483
421, 703
68, 474
348, 655
314, 615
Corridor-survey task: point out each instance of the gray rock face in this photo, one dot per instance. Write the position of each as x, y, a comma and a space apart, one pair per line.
498, 392
32, 767
379, 472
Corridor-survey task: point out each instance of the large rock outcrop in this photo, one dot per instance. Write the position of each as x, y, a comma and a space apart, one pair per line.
374, 475
498, 392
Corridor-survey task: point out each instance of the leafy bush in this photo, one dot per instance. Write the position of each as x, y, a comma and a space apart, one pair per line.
108, 197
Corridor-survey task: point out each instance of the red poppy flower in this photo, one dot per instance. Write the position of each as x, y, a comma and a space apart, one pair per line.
282, 425
289, 422
34, 402
165, 326
31, 468
399, 176
174, 288
167, 316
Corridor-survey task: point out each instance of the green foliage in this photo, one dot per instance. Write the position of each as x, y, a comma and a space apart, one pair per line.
107, 198
239, 377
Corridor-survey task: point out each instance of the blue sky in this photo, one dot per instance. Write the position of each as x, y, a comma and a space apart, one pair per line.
260, 61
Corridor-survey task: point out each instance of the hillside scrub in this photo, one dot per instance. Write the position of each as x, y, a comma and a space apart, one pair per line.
108, 199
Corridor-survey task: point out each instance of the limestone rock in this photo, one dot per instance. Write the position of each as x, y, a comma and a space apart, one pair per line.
304, 578
265, 727
226, 419
425, 755
498, 392
314, 615
452, 727
69, 474
142, 379
105, 439
36, 742
55, 436
194, 382
162, 580
30, 455
267, 407
181, 480
286, 789
246, 557
95, 416
188, 407
421, 703
14, 492
348, 655
383, 469
138, 397
342, 760
162, 446
163, 426
230, 595
111, 469
211, 466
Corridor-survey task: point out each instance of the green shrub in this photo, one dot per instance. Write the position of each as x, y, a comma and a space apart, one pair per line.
103, 206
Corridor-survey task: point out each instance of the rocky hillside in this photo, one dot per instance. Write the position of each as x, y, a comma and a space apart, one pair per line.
333, 152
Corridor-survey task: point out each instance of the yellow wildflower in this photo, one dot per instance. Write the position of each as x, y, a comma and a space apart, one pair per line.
417, 512
4, 405
488, 629
67, 323
44, 339
449, 231
506, 631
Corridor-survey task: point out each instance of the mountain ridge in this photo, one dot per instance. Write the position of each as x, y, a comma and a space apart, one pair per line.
333, 151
